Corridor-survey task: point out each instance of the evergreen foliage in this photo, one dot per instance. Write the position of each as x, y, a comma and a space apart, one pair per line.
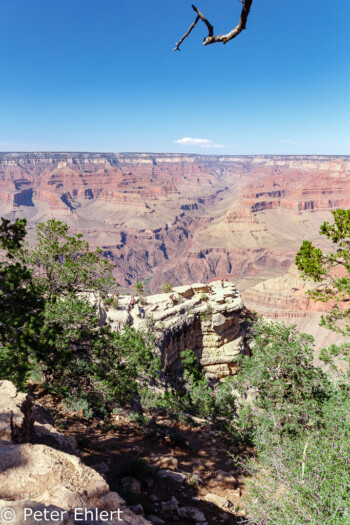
331, 271
49, 300
167, 287
299, 422
21, 307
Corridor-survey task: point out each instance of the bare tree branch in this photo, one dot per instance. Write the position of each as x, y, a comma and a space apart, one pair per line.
208, 24
178, 44
211, 39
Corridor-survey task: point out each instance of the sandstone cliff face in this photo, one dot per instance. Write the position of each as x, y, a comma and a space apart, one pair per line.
43, 478
204, 318
284, 299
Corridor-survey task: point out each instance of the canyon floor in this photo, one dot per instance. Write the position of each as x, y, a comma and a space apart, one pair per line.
188, 218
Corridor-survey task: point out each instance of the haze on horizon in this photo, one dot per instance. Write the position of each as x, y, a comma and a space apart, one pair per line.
102, 77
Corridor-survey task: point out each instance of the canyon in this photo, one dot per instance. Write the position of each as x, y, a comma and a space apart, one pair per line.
187, 218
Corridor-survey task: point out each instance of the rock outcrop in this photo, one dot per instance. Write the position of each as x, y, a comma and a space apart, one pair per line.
16, 415
42, 479
205, 318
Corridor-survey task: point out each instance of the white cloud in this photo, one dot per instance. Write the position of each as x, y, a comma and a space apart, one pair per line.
288, 141
202, 143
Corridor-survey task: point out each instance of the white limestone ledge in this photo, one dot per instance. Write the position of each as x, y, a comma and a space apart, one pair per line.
205, 318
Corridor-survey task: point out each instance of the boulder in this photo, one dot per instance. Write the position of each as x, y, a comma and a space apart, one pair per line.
212, 327
219, 501
44, 478
172, 504
191, 513
201, 288
32, 470
175, 476
16, 416
185, 291
46, 434
20, 512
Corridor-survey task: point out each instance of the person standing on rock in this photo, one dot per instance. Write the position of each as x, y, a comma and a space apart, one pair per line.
132, 302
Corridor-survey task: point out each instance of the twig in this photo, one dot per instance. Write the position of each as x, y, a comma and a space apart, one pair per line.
211, 39
178, 44
203, 18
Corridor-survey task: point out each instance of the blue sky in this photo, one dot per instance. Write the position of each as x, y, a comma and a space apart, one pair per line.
100, 75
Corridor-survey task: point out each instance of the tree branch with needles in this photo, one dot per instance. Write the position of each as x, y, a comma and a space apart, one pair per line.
211, 38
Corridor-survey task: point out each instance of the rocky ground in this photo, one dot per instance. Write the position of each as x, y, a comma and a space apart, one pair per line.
41, 470
171, 471
165, 471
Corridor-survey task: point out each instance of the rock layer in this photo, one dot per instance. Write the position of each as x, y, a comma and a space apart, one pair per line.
285, 299
205, 318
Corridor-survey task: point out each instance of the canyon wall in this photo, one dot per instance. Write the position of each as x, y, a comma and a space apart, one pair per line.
179, 218
285, 299
182, 218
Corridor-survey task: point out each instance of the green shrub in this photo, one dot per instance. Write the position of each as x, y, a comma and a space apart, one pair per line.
207, 314
287, 391
167, 287
301, 481
140, 289
111, 302
21, 307
138, 418
299, 422
77, 404
48, 322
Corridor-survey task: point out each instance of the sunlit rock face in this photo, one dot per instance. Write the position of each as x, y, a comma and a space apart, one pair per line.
205, 318
285, 299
